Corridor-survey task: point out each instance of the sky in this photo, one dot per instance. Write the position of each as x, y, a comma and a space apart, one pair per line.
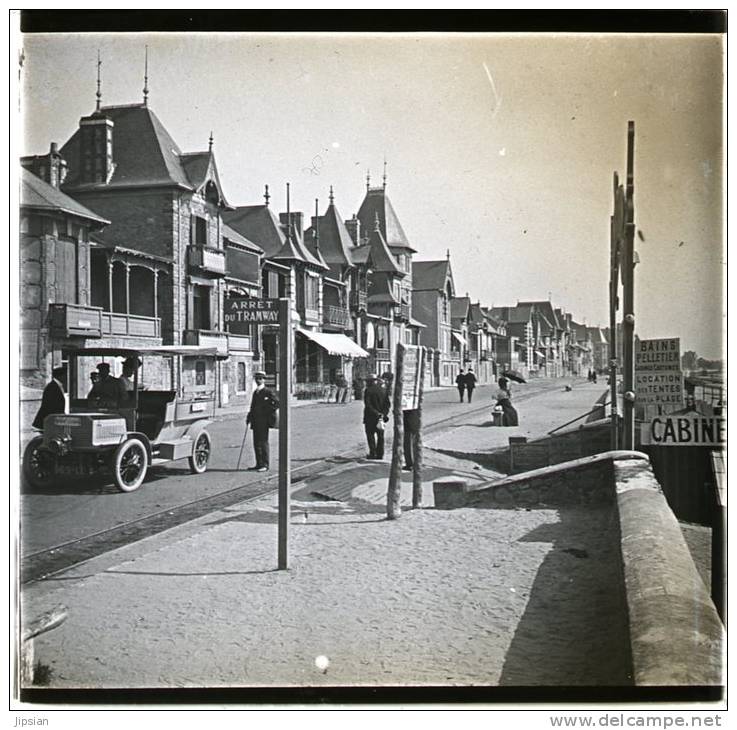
499, 148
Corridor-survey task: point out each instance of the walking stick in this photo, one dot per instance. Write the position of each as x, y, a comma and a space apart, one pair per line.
245, 434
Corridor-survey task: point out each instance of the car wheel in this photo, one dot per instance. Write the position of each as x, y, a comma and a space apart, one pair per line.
39, 466
200, 453
130, 463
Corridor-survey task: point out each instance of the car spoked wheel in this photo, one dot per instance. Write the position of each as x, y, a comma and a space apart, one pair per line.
130, 464
200, 453
38, 464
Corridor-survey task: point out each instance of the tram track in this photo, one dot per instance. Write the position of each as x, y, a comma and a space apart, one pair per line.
46, 563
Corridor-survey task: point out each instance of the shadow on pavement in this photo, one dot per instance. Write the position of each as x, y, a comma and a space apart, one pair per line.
574, 629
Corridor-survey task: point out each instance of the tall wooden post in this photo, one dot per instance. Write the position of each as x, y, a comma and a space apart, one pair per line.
628, 299
285, 386
417, 438
393, 508
616, 225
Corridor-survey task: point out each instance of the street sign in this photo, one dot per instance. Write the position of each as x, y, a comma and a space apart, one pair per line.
662, 354
241, 312
659, 388
689, 429
411, 378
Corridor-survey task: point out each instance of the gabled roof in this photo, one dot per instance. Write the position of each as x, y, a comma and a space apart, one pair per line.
258, 224
597, 335
144, 155
431, 275
361, 256
376, 203
36, 194
381, 256
459, 307
545, 308
335, 242
521, 314
232, 235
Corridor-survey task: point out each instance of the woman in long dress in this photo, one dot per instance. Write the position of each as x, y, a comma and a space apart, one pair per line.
504, 399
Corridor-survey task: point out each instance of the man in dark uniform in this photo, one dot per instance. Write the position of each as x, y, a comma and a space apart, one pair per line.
261, 417
375, 415
108, 391
461, 383
52, 400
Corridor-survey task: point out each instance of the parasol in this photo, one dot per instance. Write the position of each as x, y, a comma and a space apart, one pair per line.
514, 375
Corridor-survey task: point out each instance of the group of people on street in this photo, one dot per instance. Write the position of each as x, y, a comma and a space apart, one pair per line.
592, 376
466, 382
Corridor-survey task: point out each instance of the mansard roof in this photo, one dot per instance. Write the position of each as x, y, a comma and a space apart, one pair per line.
144, 154
376, 203
258, 224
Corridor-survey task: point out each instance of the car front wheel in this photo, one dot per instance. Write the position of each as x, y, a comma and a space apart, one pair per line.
200, 453
130, 464
38, 464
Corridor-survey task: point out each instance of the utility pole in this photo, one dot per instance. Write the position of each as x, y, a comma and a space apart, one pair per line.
628, 298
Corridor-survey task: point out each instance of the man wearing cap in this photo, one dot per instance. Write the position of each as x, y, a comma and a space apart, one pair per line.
108, 391
52, 400
375, 415
261, 417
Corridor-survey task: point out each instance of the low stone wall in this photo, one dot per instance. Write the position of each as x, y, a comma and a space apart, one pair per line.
585, 440
676, 636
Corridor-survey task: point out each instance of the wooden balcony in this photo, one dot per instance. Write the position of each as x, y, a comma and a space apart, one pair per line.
336, 317
119, 324
207, 338
402, 311
379, 353
208, 259
358, 300
75, 320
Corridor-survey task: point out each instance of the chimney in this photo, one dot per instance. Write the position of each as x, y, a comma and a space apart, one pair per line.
51, 168
353, 226
96, 148
297, 220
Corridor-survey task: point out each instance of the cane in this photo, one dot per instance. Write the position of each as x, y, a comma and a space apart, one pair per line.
245, 434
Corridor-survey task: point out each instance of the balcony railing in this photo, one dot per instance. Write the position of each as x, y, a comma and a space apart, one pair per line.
379, 353
402, 312
119, 324
337, 317
207, 338
358, 300
310, 315
455, 355
209, 259
75, 320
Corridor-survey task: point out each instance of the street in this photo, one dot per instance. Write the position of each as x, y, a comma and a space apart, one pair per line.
74, 511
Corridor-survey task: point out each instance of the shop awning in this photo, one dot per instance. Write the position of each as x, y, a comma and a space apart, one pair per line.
459, 339
335, 344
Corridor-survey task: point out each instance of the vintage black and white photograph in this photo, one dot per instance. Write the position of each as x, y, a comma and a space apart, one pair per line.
362, 360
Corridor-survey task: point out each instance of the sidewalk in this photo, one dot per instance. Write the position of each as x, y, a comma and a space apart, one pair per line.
456, 597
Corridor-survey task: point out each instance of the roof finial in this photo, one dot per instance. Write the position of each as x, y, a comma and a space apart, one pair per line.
317, 224
377, 225
266, 195
331, 197
368, 179
289, 218
99, 93
447, 254
211, 141
145, 80
384, 172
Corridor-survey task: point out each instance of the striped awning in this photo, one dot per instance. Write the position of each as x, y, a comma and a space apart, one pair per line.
335, 344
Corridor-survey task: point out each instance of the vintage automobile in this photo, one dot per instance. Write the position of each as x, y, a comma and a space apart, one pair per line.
148, 428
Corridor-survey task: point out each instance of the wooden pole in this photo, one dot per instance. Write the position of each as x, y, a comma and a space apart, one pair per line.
613, 290
417, 464
393, 508
628, 299
285, 386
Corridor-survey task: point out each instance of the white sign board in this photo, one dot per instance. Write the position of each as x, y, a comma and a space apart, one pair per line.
659, 388
690, 429
663, 354
411, 379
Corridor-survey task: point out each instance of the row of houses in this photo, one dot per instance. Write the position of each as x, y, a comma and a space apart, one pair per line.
128, 241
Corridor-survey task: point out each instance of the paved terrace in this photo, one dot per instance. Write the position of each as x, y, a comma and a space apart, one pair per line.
461, 597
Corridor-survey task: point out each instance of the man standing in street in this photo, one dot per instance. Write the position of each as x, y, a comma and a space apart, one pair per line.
375, 415
470, 383
52, 400
461, 383
261, 417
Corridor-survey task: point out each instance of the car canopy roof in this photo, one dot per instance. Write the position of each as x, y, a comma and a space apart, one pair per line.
185, 350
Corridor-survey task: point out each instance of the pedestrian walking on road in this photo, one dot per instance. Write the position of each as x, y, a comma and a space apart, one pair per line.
375, 415
261, 417
341, 385
504, 399
470, 383
461, 383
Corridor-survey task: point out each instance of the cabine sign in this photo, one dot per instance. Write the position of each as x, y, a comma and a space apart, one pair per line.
241, 312
690, 429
